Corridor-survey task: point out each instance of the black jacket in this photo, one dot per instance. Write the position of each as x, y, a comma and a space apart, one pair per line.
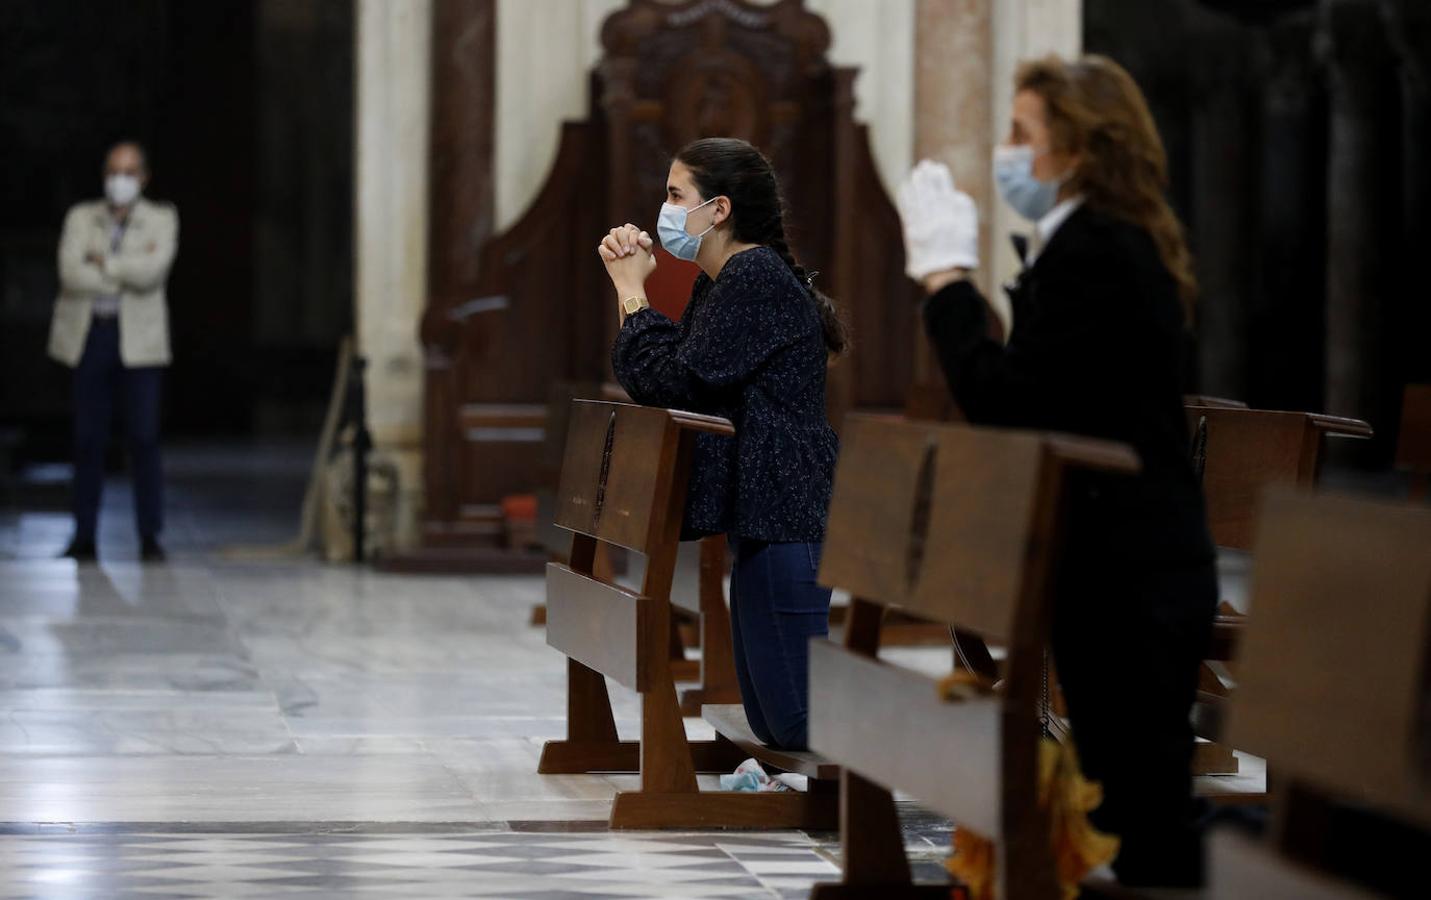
749, 347
1096, 349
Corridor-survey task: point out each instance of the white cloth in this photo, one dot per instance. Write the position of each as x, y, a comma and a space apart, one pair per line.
941, 224
1046, 227
136, 272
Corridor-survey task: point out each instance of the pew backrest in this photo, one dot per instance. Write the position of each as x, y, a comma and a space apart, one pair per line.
1248, 449
1334, 685
616, 483
952, 522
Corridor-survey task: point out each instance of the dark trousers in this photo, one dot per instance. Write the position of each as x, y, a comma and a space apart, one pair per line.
1127, 645
100, 375
776, 607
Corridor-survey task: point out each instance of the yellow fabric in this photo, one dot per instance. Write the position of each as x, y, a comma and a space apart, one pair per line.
1064, 793
1078, 847
973, 864
963, 685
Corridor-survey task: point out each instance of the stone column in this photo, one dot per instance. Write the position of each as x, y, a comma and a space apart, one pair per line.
954, 122
1361, 203
1222, 162
1409, 24
966, 52
460, 210
1286, 314
390, 245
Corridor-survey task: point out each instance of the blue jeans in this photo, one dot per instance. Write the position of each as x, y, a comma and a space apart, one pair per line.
99, 375
776, 607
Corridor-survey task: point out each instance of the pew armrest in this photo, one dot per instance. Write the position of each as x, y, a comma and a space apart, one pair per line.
1337, 426
1087, 453
702, 423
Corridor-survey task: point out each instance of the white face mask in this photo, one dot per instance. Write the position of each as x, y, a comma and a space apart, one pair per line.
121, 190
671, 229
1013, 174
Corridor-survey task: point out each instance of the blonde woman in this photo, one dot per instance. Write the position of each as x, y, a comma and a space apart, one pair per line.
1100, 316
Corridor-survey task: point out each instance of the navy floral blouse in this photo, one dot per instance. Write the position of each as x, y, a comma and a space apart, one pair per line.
750, 348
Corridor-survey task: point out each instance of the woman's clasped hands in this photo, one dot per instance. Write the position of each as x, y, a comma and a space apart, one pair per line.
627, 254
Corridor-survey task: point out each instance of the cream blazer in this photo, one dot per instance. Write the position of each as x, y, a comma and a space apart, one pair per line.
136, 273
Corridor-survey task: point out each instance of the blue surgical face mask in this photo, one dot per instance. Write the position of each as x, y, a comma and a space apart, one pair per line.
1013, 173
671, 229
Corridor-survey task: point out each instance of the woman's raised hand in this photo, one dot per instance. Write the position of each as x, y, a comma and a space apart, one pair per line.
626, 251
941, 224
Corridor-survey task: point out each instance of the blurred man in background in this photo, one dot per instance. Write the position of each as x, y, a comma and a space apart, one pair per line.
111, 325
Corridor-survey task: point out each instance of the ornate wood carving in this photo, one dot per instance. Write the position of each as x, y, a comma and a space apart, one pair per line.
539, 309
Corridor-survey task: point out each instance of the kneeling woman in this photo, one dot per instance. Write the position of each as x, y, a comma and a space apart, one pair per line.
752, 346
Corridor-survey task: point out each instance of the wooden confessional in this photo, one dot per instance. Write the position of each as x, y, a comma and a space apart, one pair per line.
544, 312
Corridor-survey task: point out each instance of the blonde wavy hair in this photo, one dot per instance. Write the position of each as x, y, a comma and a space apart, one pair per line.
1096, 110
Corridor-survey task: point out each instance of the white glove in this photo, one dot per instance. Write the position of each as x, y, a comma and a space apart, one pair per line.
941, 224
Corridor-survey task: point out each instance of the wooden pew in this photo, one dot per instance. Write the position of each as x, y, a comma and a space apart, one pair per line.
962, 526
1413, 444
1332, 693
717, 678
1245, 450
623, 483
1208, 400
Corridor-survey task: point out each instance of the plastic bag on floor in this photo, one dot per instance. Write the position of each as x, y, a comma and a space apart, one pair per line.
750, 776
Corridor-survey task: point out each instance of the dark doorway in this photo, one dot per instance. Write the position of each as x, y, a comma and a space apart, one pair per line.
246, 108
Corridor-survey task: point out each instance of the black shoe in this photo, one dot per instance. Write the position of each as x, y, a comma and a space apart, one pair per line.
80, 551
151, 551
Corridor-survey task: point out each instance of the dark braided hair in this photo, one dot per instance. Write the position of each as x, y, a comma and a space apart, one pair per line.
733, 168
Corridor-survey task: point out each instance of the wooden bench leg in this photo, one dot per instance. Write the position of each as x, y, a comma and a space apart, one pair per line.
670, 797
862, 627
873, 848
718, 681
591, 744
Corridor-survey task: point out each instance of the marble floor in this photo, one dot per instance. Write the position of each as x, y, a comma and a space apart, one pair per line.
471, 862
217, 726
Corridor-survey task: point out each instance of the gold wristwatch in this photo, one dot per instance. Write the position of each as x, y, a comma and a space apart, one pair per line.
633, 305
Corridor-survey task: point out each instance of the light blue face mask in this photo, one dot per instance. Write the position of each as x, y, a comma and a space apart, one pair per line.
671, 229
1013, 173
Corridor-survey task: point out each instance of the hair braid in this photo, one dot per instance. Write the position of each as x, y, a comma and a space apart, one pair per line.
739, 171
837, 336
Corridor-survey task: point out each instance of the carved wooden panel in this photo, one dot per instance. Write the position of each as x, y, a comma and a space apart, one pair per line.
541, 310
